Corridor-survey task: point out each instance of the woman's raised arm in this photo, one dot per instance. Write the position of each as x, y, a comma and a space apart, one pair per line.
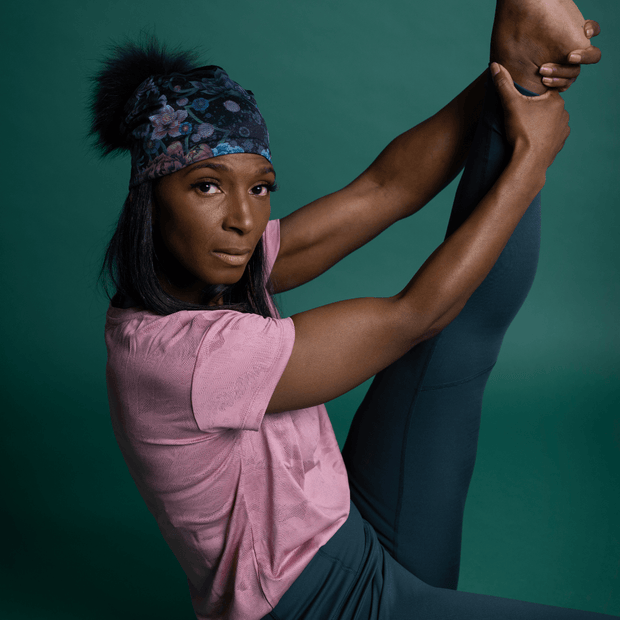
537, 42
412, 169
341, 345
407, 174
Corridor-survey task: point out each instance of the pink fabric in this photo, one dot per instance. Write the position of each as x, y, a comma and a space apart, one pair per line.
243, 499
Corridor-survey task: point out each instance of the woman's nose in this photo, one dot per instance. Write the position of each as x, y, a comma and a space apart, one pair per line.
239, 215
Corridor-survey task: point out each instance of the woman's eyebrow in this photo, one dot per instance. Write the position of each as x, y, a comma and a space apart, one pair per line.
265, 170
208, 165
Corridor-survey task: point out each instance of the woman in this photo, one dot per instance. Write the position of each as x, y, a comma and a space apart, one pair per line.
216, 401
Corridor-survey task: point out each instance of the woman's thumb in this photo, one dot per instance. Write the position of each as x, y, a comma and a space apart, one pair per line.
503, 82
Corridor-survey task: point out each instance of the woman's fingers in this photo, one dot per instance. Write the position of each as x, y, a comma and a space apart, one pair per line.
540, 122
591, 28
559, 76
553, 70
562, 76
589, 56
558, 83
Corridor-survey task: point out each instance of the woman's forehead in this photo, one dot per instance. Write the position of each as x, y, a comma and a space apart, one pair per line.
242, 163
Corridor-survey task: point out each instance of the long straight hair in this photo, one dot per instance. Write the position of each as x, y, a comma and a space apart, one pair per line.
130, 264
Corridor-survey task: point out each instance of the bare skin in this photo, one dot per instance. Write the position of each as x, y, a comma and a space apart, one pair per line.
552, 35
421, 162
209, 218
221, 207
405, 177
341, 345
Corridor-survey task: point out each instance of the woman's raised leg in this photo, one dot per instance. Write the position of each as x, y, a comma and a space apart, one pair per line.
412, 445
411, 448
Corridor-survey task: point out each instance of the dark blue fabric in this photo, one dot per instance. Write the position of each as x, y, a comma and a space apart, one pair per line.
353, 577
411, 449
175, 120
412, 445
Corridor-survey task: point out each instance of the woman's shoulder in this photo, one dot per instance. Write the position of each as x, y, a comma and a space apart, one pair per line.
138, 322
128, 322
226, 363
146, 334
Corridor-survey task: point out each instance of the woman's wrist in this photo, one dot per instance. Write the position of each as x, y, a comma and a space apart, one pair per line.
529, 166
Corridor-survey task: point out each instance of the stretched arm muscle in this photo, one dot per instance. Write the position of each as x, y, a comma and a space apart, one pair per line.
409, 172
341, 345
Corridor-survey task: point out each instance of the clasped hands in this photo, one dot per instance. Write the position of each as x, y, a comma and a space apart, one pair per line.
543, 43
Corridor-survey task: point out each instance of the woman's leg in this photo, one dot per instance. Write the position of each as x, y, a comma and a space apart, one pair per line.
352, 577
411, 448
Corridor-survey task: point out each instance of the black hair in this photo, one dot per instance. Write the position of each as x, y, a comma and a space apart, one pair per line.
126, 66
132, 263
132, 259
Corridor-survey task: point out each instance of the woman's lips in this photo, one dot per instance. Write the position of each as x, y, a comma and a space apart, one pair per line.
232, 257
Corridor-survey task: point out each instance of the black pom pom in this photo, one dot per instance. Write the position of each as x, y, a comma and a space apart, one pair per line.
122, 71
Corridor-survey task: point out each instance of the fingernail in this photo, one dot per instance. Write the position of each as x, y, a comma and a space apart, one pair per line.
589, 32
545, 71
574, 58
494, 68
547, 81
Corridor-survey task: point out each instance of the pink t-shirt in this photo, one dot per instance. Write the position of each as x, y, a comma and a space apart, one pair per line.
243, 499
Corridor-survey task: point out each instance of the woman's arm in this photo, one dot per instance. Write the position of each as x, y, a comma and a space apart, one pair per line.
407, 174
340, 345
528, 33
419, 163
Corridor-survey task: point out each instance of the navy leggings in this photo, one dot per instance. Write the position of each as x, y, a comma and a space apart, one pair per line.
412, 444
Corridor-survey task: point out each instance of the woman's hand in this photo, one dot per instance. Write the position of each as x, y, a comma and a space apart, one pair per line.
562, 76
340, 345
535, 126
528, 34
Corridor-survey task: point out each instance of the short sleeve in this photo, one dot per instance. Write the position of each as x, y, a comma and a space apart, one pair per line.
238, 365
271, 243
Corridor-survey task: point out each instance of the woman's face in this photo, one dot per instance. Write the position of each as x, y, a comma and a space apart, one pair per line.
210, 217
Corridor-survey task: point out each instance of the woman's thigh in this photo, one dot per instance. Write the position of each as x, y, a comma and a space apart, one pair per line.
406, 597
412, 444
352, 577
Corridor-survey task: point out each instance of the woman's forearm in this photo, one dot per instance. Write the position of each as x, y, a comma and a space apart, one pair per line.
407, 174
419, 163
339, 346
458, 266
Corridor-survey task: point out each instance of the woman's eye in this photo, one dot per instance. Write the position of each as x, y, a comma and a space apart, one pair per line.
261, 190
206, 188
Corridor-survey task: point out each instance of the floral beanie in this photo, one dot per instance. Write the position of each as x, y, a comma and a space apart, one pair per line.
178, 119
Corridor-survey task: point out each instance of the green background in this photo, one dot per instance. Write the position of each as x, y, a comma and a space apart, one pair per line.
335, 82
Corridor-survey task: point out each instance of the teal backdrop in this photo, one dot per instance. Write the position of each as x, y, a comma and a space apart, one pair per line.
336, 81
